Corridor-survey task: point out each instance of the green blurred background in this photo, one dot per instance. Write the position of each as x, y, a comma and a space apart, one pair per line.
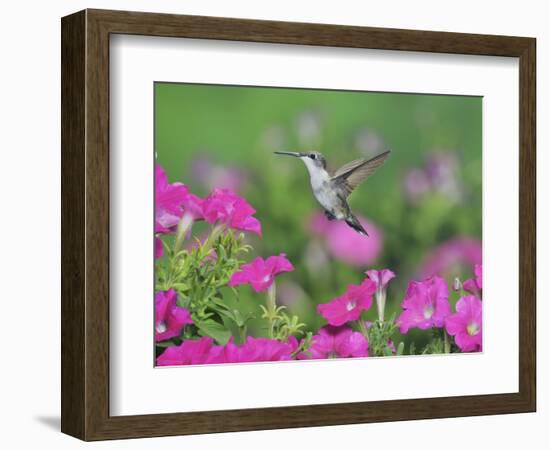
423, 206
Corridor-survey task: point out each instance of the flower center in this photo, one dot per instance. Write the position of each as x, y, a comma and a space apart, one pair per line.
428, 312
161, 327
266, 278
472, 329
351, 304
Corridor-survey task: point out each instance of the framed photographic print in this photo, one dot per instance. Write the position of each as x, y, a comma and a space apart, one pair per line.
271, 225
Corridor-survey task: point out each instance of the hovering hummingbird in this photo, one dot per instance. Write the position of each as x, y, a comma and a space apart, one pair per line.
333, 189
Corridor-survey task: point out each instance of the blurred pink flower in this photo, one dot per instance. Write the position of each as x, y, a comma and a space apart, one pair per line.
415, 184
442, 169
349, 306
169, 318
224, 206
381, 278
426, 305
369, 143
212, 175
289, 293
159, 248
478, 272
474, 285
336, 342
169, 200
466, 325
444, 259
261, 273
440, 174
347, 245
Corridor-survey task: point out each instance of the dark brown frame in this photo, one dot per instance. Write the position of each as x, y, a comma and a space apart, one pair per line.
85, 224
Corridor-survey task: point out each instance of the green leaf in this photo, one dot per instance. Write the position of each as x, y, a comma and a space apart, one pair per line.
400, 348
214, 330
164, 344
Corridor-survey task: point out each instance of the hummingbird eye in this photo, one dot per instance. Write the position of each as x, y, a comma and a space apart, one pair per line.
313, 156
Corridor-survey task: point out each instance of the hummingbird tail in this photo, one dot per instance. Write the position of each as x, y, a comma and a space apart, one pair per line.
354, 223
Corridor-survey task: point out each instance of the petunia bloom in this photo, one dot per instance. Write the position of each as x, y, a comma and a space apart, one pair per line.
159, 249
188, 352
465, 325
347, 245
261, 273
169, 318
169, 199
203, 351
349, 306
337, 342
426, 305
260, 349
474, 285
381, 278
226, 207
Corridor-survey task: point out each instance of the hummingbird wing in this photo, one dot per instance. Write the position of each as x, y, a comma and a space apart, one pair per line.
352, 174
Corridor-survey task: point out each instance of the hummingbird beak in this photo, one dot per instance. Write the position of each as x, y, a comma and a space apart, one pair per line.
295, 154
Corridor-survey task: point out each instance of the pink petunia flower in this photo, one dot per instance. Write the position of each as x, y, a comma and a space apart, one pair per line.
474, 285
188, 352
226, 207
426, 305
159, 248
337, 342
260, 349
465, 325
261, 273
169, 318
347, 245
203, 351
381, 278
169, 199
193, 206
348, 307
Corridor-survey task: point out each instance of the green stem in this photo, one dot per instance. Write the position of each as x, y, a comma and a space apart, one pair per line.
242, 333
214, 234
446, 342
271, 308
362, 327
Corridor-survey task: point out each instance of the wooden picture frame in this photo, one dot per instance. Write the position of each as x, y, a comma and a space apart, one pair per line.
85, 224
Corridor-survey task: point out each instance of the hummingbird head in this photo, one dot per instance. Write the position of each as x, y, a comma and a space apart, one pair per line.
312, 160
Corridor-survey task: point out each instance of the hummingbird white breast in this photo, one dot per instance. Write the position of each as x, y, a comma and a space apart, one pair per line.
323, 190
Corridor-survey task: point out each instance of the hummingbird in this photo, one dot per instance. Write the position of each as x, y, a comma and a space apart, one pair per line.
332, 189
